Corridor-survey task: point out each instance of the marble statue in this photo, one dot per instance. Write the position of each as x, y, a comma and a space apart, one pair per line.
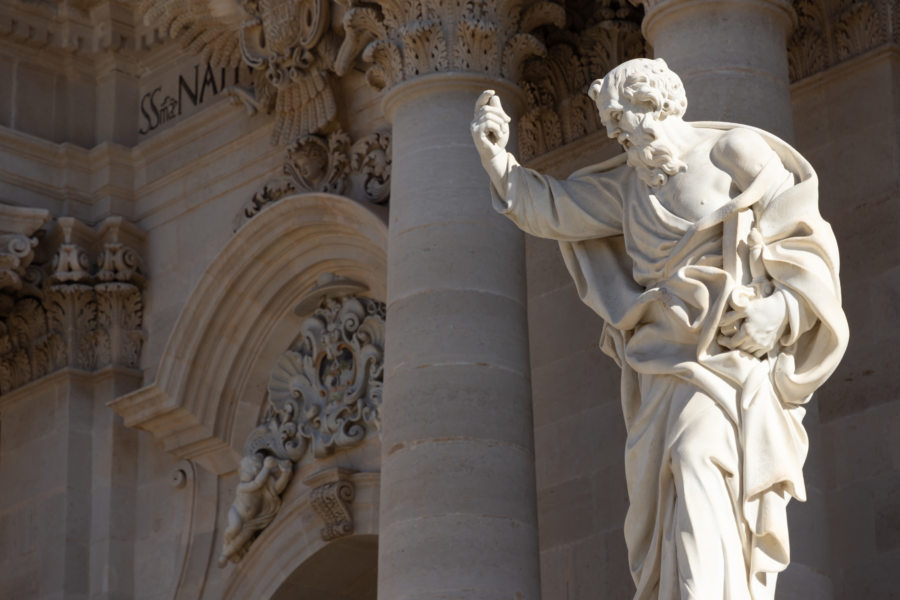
703, 250
256, 502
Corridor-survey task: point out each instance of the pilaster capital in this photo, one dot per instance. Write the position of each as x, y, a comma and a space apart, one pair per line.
69, 299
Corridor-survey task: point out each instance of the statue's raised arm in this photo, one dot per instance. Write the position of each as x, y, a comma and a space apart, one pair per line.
703, 250
573, 209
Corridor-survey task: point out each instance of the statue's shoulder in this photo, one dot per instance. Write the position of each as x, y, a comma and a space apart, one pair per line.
736, 145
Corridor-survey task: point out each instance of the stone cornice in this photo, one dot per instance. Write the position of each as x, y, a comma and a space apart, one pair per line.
38, 387
65, 172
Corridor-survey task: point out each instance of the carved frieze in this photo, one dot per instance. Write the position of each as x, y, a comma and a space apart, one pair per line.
599, 37
831, 31
81, 308
324, 394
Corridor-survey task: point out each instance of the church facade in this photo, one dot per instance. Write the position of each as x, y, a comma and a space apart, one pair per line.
262, 334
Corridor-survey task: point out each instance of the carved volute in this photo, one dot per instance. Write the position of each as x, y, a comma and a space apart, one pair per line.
324, 395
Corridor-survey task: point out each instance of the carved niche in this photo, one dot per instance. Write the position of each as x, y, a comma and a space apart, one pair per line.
79, 307
831, 31
324, 394
598, 37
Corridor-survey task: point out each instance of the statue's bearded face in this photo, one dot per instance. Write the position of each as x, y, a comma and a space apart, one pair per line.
635, 127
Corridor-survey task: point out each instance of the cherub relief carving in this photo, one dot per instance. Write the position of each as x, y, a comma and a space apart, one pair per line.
256, 502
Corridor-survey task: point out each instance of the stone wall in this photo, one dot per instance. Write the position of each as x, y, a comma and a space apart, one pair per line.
847, 125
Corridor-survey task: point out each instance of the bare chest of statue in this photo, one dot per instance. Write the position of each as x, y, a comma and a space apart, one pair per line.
699, 190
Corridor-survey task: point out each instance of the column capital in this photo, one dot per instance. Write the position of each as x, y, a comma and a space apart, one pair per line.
405, 39
658, 11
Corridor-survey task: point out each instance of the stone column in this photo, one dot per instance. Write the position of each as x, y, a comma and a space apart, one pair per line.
458, 510
732, 57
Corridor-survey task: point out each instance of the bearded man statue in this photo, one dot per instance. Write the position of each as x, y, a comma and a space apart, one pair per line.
703, 250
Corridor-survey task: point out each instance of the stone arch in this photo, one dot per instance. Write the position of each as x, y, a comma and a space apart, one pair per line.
249, 289
291, 556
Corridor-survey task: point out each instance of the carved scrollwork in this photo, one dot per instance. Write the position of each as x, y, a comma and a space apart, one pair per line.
324, 394
328, 164
331, 501
371, 158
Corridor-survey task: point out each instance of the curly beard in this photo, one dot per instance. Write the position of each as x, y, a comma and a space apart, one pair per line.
652, 158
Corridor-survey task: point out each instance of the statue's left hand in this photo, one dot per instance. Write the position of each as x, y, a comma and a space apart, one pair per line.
756, 326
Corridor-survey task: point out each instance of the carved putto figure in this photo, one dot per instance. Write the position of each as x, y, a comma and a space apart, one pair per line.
703, 250
256, 502
324, 394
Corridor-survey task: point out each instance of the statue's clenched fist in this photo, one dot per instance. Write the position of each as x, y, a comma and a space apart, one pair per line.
490, 128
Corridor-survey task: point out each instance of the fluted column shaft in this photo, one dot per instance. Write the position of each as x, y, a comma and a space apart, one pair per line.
458, 511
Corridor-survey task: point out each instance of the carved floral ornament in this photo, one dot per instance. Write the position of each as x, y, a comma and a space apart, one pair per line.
324, 394
77, 302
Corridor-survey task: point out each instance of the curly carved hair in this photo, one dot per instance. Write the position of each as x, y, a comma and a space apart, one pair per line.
644, 81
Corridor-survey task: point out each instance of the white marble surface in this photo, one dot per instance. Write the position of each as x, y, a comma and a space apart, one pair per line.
703, 250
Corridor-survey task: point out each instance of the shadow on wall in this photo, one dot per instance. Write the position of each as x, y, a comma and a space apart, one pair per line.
345, 569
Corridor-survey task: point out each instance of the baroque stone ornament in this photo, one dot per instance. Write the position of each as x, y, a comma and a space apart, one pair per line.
331, 496
831, 31
328, 164
18, 239
401, 40
558, 110
295, 48
703, 250
75, 310
324, 394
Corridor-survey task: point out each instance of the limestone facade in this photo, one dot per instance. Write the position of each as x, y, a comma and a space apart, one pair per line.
260, 229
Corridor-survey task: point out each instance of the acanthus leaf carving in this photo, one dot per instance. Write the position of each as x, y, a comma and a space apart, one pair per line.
324, 394
558, 110
72, 311
413, 39
831, 31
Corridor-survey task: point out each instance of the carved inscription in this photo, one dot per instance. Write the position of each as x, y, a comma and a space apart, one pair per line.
170, 99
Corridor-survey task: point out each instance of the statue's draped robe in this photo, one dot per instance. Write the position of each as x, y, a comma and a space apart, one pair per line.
662, 284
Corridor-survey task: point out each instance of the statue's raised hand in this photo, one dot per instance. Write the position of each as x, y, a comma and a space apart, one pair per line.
490, 128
